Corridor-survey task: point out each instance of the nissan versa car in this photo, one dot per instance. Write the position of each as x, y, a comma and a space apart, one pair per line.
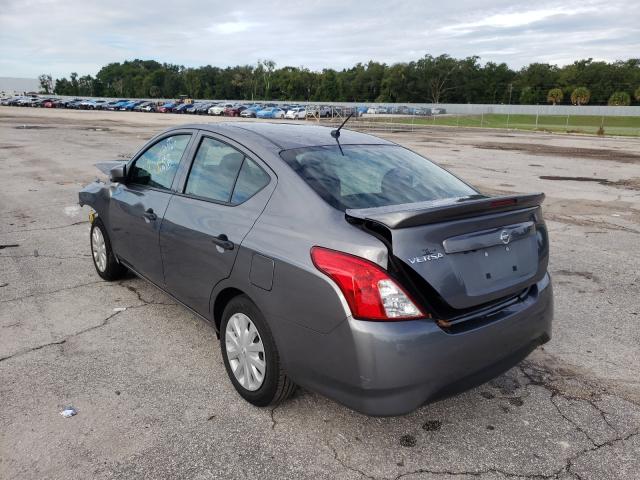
329, 259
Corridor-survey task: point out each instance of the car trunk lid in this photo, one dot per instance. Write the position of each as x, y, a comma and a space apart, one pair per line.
470, 251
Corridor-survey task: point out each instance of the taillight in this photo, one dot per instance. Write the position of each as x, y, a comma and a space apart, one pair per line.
370, 292
503, 202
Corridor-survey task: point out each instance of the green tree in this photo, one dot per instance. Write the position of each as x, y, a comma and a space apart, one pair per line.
46, 83
620, 99
637, 94
580, 96
85, 86
436, 76
427, 79
528, 96
555, 96
539, 77
192, 82
74, 84
265, 70
63, 87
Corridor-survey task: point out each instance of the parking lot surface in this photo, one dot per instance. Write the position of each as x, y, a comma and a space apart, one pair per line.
147, 378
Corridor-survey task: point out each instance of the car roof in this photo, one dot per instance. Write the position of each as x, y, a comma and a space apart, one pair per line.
285, 136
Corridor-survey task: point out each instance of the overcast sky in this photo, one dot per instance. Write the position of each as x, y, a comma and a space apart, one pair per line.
61, 36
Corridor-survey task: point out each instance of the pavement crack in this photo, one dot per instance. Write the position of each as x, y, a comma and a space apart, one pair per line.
609, 443
273, 420
103, 323
569, 420
535, 375
57, 227
137, 292
345, 465
38, 294
40, 255
476, 473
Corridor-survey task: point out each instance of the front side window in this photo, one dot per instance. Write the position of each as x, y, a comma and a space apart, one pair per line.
158, 165
364, 176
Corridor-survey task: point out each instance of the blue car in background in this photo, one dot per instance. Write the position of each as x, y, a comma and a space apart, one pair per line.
117, 105
129, 106
182, 108
167, 107
271, 112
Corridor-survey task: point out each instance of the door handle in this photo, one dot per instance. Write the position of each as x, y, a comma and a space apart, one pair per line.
223, 241
149, 215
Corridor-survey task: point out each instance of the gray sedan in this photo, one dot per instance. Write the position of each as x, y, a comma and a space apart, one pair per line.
329, 259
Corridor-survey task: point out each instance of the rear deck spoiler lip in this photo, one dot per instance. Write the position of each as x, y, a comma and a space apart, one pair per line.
415, 214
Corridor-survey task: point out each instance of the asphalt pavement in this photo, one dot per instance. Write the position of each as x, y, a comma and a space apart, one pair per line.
147, 379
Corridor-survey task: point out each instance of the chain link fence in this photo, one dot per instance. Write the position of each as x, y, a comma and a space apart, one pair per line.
575, 124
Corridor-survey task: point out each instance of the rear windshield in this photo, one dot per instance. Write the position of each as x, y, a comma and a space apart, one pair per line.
373, 175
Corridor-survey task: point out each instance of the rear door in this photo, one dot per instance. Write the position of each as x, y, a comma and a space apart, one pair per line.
218, 202
137, 207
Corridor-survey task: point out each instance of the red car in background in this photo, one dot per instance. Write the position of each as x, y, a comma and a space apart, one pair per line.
50, 103
234, 111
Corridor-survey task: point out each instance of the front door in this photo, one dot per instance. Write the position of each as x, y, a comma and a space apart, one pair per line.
206, 221
138, 206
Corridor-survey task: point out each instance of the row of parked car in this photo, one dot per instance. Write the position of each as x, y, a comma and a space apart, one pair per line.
250, 110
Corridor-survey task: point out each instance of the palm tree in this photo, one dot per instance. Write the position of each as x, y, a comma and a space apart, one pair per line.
580, 96
555, 96
620, 99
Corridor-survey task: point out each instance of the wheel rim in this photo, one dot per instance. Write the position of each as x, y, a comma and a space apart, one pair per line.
99, 249
245, 352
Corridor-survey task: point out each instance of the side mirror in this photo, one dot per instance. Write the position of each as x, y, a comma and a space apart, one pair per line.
118, 173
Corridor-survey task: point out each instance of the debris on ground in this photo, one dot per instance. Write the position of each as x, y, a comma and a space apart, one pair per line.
68, 412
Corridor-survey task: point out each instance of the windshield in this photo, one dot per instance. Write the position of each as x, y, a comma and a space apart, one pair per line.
373, 175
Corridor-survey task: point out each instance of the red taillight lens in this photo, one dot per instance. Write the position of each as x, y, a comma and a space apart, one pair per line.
370, 292
503, 203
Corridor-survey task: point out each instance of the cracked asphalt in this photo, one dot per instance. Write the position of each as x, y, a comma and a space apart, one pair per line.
147, 378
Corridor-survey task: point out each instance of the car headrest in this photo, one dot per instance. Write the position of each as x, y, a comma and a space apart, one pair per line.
396, 182
322, 179
231, 161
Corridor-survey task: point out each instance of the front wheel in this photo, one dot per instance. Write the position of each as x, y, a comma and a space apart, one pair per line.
250, 355
103, 258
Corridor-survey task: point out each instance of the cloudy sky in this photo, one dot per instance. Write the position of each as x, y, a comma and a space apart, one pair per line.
61, 36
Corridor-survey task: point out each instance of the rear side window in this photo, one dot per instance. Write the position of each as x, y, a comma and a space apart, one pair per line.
157, 166
251, 180
365, 176
223, 174
214, 171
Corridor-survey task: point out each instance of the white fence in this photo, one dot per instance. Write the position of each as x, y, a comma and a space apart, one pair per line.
597, 110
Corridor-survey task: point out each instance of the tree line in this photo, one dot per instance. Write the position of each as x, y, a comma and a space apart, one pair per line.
441, 79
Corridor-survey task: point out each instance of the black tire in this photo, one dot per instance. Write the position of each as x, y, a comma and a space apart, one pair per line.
112, 270
276, 386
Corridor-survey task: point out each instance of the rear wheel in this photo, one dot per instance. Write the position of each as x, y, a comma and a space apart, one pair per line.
103, 258
250, 355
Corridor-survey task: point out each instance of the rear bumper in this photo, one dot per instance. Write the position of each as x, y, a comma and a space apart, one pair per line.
391, 368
